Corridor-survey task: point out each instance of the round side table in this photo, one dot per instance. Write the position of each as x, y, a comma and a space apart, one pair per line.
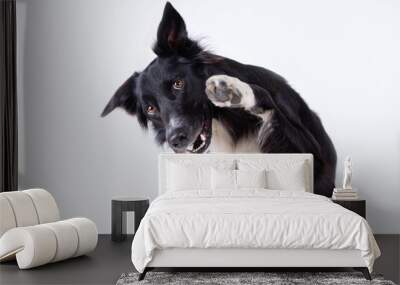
119, 207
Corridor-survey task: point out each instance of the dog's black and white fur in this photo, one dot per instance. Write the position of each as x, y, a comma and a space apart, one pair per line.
198, 102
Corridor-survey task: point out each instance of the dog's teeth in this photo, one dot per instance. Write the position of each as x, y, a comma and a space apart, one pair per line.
203, 137
200, 146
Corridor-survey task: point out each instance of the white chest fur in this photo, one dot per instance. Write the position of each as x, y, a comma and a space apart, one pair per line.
221, 141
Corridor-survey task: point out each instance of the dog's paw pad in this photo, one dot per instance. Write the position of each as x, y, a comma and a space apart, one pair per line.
223, 91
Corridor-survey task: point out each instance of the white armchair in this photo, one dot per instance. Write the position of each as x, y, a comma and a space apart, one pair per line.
31, 230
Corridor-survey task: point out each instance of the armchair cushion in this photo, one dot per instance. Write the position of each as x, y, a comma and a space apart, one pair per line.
31, 232
40, 244
27, 208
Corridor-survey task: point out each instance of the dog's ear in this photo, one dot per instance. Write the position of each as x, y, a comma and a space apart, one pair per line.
124, 97
172, 36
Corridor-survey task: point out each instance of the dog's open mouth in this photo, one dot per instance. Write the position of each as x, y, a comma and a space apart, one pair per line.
203, 140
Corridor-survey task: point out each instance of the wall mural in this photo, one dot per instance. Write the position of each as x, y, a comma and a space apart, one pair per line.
199, 102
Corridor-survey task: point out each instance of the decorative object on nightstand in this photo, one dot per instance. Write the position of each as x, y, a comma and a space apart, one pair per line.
348, 173
357, 206
121, 205
346, 192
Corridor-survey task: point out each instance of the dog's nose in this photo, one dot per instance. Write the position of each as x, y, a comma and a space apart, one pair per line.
178, 139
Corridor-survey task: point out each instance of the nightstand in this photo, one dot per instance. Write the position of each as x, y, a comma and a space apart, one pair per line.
119, 207
357, 206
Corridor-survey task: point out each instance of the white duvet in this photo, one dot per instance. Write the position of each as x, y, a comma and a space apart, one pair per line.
250, 219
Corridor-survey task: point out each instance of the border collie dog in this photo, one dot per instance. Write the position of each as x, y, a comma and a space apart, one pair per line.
200, 102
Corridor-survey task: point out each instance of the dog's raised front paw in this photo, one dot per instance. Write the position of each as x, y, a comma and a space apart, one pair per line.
228, 91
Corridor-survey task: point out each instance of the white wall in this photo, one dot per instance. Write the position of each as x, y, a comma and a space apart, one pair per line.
342, 56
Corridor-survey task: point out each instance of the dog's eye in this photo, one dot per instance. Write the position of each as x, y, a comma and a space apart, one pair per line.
151, 110
178, 84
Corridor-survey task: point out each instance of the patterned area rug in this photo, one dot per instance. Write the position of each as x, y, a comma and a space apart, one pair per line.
243, 278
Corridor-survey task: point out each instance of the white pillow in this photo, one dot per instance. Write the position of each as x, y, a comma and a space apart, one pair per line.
281, 174
291, 178
223, 179
183, 177
188, 174
227, 179
251, 178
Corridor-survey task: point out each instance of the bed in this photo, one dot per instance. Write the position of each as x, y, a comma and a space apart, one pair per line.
245, 211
